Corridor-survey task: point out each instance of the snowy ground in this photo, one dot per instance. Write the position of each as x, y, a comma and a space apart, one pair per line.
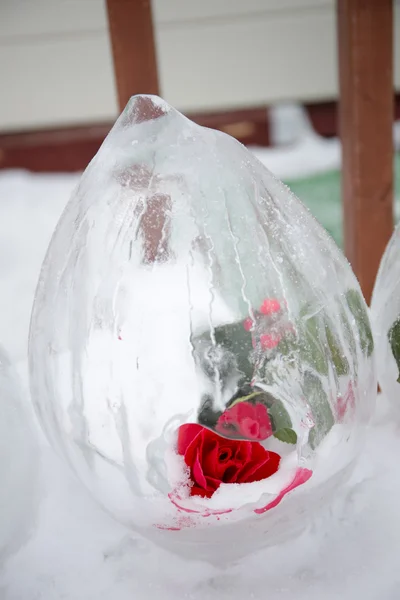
76, 552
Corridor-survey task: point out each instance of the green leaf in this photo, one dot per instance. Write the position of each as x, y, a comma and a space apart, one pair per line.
317, 337
320, 408
236, 339
311, 348
287, 345
286, 435
337, 354
348, 332
357, 307
394, 341
246, 396
279, 416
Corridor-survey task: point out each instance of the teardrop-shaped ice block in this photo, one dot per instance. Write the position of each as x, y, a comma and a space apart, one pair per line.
19, 463
385, 317
200, 350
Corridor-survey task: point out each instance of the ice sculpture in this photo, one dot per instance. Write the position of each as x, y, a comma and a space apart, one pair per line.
385, 317
200, 351
19, 462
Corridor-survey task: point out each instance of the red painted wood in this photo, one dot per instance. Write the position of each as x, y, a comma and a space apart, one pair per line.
365, 36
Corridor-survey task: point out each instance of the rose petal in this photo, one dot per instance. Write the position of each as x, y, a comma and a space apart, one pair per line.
225, 454
259, 454
195, 490
301, 476
243, 451
250, 420
248, 470
210, 457
266, 469
213, 460
186, 434
250, 428
211, 446
198, 474
232, 472
213, 483
262, 416
243, 410
262, 465
226, 424
247, 421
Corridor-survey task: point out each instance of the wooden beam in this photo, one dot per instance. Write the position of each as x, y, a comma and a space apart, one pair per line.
133, 47
365, 39
72, 148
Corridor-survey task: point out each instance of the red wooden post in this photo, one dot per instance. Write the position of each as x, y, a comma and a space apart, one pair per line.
133, 47
365, 39
135, 66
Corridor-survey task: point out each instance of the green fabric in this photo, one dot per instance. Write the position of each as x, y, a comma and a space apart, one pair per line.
321, 194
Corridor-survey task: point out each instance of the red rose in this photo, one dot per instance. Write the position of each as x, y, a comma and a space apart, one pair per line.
245, 419
213, 460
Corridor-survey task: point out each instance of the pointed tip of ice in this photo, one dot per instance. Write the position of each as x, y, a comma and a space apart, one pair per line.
145, 107
156, 100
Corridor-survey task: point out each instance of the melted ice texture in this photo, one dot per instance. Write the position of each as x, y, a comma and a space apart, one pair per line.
385, 311
173, 230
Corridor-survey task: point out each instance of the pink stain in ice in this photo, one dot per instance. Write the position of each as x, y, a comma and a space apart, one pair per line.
204, 513
346, 402
180, 522
302, 475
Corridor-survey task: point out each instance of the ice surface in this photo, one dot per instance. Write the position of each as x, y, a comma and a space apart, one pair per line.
79, 553
174, 238
385, 317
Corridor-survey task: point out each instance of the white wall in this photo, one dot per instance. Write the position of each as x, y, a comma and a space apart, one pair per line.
56, 65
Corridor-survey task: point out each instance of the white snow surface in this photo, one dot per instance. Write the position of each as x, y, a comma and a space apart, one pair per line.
77, 552
300, 151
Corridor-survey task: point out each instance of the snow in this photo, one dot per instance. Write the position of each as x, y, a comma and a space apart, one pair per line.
77, 552
300, 151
